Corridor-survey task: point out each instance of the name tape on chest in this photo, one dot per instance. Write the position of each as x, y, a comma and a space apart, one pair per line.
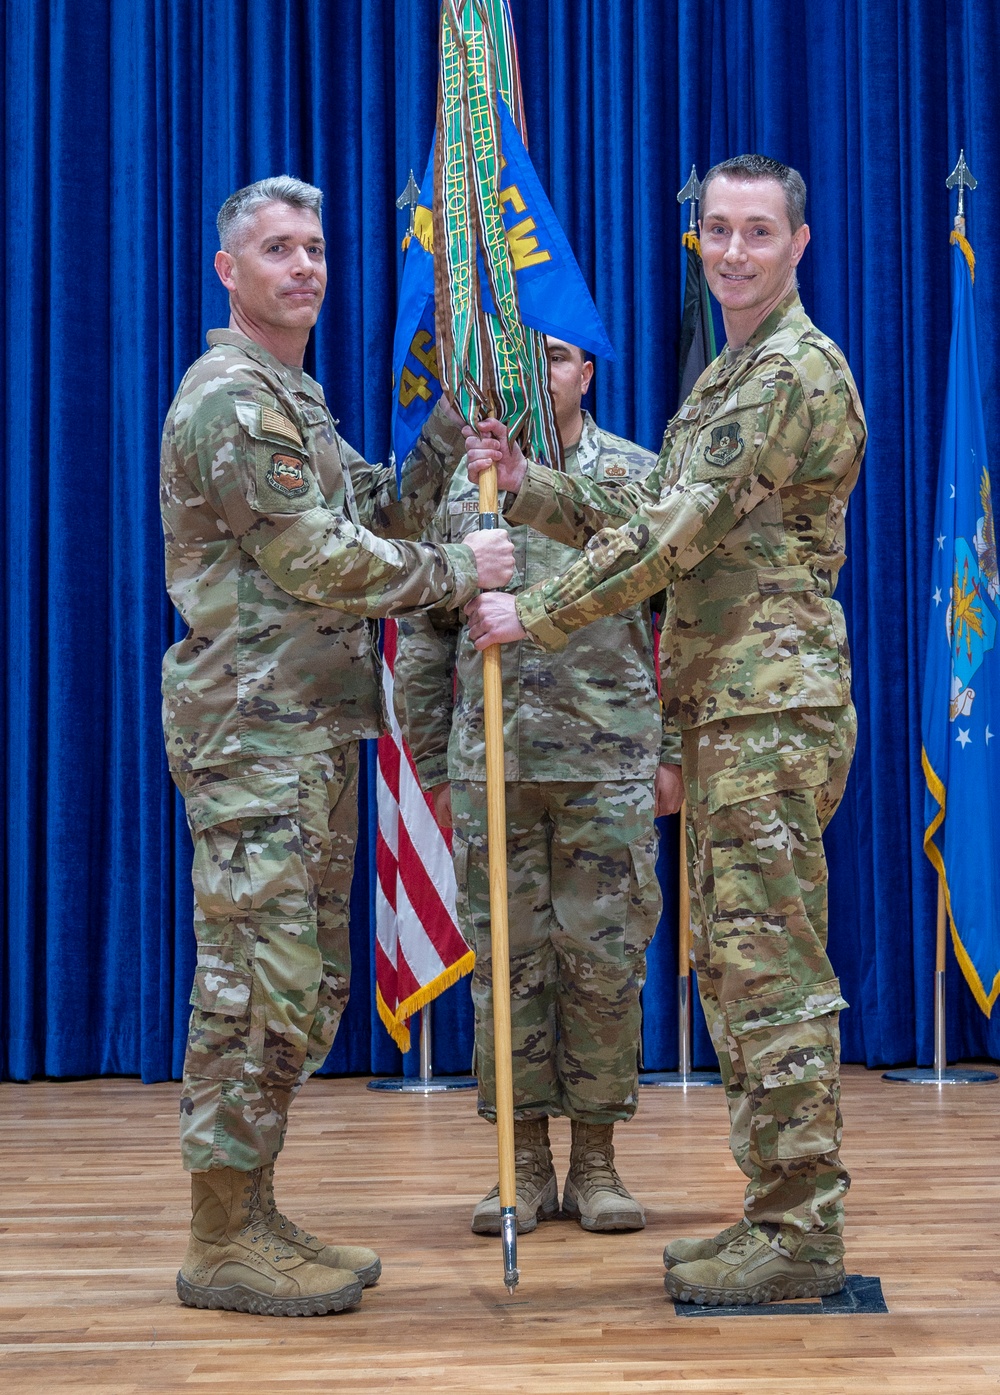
274, 424
462, 506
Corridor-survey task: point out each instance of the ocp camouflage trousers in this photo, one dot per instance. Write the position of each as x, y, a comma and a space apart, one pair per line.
760, 792
583, 902
273, 858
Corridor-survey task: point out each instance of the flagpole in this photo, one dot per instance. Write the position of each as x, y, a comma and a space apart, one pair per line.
496, 836
960, 178
426, 1083
684, 1076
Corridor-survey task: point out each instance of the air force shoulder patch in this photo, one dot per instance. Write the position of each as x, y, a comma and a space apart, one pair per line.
724, 445
285, 476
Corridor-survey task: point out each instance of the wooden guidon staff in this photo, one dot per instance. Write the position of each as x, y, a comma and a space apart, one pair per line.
490, 365
496, 834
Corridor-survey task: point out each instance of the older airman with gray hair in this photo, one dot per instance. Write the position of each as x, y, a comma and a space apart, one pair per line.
282, 546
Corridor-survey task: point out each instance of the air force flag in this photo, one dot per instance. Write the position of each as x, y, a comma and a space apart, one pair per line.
961, 699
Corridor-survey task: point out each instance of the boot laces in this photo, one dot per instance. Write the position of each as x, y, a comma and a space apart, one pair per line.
256, 1228
594, 1170
288, 1230
532, 1165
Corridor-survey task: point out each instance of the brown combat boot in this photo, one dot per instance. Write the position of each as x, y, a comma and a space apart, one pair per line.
233, 1260
535, 1180
748, 1270
686, 1251
358, 1258
594, 1194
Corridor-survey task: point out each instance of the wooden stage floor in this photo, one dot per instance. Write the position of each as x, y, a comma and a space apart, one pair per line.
93, 1215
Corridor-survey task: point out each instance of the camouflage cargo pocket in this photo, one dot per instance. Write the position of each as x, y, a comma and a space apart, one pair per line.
790, 1044
223, 973
749, 810
247, 847
797, 1067
645, 902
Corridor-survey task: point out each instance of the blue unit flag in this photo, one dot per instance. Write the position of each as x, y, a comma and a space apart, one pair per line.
961, 699
552, 295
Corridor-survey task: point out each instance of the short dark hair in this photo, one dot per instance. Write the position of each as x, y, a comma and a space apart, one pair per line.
240, 208
753, 167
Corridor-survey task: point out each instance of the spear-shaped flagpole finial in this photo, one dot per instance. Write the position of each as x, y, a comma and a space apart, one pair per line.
692, 191
961, 176
408, 199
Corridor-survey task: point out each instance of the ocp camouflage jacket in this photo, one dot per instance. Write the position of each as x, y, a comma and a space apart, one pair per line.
271, 564
589, 713
743, 518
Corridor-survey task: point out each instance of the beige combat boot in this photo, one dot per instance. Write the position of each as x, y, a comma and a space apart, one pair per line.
685, 1251
748, 1270
358, 1258
233, 1260
594, 1194
535, 1180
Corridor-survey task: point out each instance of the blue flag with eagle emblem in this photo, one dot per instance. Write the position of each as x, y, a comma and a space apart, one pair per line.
553, 297
961, 699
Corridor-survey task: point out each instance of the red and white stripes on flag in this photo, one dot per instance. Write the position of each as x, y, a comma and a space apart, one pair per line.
419, 951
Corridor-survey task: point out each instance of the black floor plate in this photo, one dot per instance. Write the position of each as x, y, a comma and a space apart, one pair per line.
859, 1295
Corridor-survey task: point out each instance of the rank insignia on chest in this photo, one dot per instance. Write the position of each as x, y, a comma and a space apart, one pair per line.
285, 476
615, 472
725, 443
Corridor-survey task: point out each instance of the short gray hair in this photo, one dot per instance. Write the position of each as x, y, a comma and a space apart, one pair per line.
754, 167
238, 211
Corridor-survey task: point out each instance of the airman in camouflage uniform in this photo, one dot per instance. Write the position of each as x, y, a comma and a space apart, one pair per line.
743, 521
583, 739
270, 561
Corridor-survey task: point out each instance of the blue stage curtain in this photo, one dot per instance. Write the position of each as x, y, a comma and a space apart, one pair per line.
127, 123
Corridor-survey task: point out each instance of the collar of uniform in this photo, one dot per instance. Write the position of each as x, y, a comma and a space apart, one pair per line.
786, 309
586, 450
294, 379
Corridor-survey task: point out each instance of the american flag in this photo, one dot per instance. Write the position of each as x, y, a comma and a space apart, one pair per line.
419, 951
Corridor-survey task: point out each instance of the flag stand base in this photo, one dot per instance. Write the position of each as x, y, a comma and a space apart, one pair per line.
426, 1083
927, 1075
423, 1085
939, 1073
662, 1078
684, 1076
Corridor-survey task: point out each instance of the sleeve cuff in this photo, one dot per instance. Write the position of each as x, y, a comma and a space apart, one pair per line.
536, 493
535, 619
670, 748
462, 561
432, 771
444, 435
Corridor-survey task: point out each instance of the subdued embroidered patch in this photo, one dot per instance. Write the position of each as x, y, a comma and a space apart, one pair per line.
275, 424
725, 444
615, 472
285, 476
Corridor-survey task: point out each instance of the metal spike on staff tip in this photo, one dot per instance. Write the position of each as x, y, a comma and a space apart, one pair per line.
692, 190
508, 1223
408, 199
961, 176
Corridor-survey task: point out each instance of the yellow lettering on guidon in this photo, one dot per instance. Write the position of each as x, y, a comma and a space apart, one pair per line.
511, 198
420, 352
523, 247
410, 386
